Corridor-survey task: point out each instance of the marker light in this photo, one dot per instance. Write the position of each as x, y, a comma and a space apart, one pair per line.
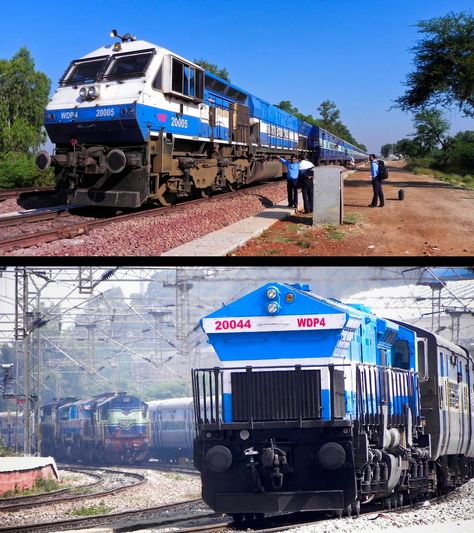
273, 308
272, 293
290, 297
244, 434
117, 47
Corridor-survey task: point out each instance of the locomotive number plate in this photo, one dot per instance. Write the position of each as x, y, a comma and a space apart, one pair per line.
273, 323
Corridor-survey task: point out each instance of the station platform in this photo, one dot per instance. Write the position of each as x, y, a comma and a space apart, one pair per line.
21, 472
225, 240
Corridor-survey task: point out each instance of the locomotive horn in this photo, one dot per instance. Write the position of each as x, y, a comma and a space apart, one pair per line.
116, 161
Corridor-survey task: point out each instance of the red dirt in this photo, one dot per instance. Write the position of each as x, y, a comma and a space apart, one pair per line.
434, 219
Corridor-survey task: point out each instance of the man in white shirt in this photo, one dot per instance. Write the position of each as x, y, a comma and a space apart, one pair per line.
306, 181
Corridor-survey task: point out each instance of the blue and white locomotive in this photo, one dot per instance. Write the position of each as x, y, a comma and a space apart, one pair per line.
318, 405
134, 122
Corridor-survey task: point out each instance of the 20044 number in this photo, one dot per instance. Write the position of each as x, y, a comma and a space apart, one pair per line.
232, 324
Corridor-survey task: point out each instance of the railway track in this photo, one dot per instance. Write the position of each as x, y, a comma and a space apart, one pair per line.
35, 215
190, 511
12, 193
83, 228
103, 477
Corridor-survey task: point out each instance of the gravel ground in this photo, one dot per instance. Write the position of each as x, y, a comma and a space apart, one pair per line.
153, 236
448, 513
31, 201
160, 489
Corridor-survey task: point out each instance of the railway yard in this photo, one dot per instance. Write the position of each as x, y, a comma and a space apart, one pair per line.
151, 499
437, 217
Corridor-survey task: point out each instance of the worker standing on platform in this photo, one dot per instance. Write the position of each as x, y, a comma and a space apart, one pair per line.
306, 184
293, 167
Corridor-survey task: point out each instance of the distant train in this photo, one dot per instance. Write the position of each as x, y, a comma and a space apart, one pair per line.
12, 431
320, 405
107, 428
172, 429
134, 122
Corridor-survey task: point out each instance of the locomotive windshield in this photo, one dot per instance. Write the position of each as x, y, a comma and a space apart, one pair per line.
129, 66
84, 71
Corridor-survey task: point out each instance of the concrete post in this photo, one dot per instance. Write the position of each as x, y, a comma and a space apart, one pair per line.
328, 205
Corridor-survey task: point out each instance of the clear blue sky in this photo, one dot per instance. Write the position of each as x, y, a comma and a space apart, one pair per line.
353, 52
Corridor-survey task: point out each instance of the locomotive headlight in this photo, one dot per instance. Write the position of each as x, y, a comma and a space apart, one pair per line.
273, 308
93, 92
272, 293
83, 93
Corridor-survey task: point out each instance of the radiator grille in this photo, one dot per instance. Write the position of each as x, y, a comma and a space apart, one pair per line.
276, 395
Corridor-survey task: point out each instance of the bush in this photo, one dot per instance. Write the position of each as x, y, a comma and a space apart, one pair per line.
19, 170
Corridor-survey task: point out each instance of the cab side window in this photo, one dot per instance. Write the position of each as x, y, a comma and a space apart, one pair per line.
186, 80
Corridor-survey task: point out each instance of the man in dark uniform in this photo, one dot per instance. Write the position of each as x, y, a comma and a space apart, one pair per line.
376, 182
306, 182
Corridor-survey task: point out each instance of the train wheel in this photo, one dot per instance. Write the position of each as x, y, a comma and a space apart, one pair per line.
230, 187
394, 501
400, 499
356, 508
237, 518
388, 503
205, 193
338, 513
348, 510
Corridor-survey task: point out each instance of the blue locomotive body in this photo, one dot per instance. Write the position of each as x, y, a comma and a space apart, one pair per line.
135, 122
320, 405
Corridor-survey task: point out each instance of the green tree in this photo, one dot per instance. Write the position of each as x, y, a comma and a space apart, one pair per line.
444, 65
287, 106
330, 115
407, 147
23, 97
213, 68
431, 129
459, 155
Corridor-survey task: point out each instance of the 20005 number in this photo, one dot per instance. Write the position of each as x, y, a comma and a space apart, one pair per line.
110, 112
179, 122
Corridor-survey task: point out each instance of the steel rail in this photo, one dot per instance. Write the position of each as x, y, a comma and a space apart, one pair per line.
11, 193
111, 518
43, 499
82, 228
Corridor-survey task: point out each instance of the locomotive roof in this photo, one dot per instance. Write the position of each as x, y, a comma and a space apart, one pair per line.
441, 341
133, 46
